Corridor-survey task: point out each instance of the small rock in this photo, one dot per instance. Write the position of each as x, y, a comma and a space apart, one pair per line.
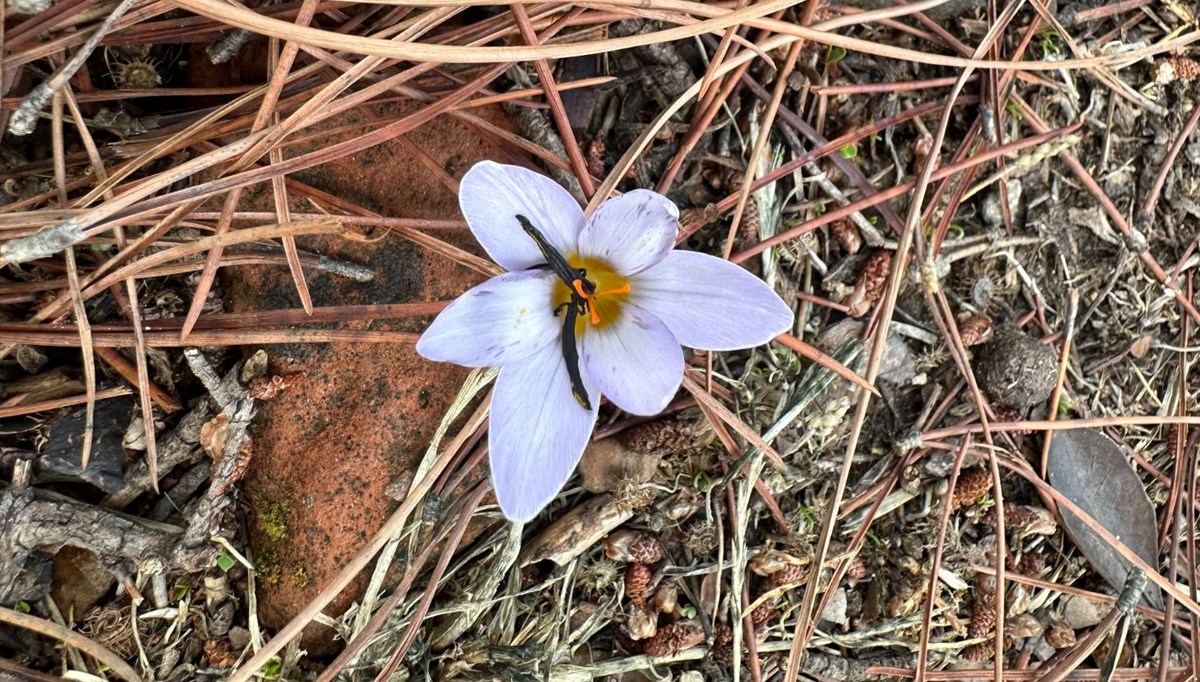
1079, 613
80, 580
1014, 369
607, 464
835, 610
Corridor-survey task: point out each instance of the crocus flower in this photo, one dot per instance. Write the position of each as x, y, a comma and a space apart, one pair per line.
612, 324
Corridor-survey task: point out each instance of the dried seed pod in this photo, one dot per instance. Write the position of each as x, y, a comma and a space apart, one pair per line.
661, 436
266, 388
763, 614
135, 75
871, 281
642, 624
701, 538
1175, 68
921, 151
983, 616
791, 575
972, 485
595, 153
977, 653
630, 545
702, 216
975, 329
637, 581
1024, 520
846, 234
666, 598
218, 654
769, 561
685, 503
646, 550
1022, 626
674, 638
748, 229
1060, 635
857, 570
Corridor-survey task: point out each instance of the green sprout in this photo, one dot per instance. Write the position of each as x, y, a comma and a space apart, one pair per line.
849, 151
834, 54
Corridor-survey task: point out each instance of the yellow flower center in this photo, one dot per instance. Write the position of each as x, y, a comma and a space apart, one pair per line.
604, 303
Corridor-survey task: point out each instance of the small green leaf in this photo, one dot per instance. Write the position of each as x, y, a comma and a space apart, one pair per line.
225, 562
21, 607
688, 611
180, 591
272, 667
834, 54
849, 151
702, 482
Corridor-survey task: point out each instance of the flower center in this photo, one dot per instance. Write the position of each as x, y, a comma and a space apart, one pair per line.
604, 300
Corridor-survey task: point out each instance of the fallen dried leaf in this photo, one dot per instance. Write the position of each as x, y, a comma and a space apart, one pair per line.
1091, 471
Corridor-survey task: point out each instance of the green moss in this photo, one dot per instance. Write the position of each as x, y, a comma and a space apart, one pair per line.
272, 519
300, 577
268, 566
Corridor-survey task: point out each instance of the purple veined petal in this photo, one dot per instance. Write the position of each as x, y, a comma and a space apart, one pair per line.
709, 303
635, 361
491, 195
537, 433
505, 319
631, 232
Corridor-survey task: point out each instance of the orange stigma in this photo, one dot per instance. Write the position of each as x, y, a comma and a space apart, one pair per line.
593, 310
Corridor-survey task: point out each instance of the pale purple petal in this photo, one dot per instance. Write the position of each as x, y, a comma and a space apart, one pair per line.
537, 433
709, 303
491, 196
635, 360
631, 232
503, 320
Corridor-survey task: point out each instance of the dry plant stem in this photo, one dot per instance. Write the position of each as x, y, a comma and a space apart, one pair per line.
129, 372
96, 283
382, 536
283, 64
760, 144
899, 190
1147, 214
936, 566
141, 375
720, 18
554, 99
59, 403
85, 335
71, 638
805, 350
380, 616
207, 337
1063, 360
410, 635
704, 399
805, 623
15, 670
1138, 240
23, 120
266, 111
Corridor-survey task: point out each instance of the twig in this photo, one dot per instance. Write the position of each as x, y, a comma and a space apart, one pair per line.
71, 638
23, 120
